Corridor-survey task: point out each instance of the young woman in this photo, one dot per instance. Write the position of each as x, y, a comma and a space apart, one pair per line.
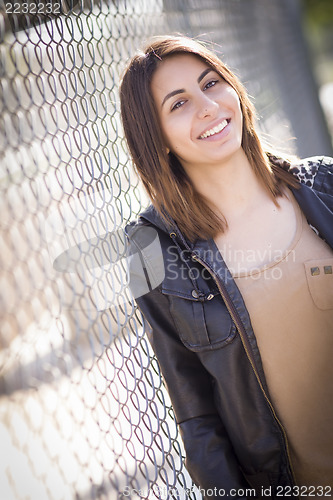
242, 319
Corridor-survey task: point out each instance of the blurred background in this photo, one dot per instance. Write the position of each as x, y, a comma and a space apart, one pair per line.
83, 410
317, 21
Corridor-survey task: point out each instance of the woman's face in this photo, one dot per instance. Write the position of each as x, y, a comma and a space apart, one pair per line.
199, 112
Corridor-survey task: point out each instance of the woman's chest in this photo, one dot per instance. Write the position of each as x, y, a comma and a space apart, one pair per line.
259, 237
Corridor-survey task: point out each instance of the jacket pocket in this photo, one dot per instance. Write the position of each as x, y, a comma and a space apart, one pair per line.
203, 324
319, 275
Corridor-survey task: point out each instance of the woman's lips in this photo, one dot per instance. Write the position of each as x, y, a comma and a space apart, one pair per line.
215, 131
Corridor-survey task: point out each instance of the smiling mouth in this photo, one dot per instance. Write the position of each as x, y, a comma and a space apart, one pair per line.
215, 130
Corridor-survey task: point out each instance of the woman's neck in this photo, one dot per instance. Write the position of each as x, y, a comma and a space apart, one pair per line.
232, 188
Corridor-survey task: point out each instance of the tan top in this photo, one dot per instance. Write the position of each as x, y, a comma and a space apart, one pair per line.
290, 301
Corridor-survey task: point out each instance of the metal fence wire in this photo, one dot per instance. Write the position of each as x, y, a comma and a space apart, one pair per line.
83, 410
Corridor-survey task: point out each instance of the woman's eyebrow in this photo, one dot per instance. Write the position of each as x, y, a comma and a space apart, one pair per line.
181, 91
171, 94
204, 73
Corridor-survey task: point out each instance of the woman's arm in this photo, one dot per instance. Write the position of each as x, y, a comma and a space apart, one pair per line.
210, 458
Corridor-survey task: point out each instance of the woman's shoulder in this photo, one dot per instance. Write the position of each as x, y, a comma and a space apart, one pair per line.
142, 230
149, 229
145, 256
149, 217
315, 172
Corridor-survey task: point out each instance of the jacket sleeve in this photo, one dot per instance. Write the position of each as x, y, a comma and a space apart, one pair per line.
210, 458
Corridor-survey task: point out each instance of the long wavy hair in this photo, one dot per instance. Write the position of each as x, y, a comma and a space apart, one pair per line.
165, 180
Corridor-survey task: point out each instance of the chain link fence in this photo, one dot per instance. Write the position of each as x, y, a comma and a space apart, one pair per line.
83, 410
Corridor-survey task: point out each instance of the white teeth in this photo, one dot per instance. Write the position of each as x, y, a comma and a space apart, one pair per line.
214, 130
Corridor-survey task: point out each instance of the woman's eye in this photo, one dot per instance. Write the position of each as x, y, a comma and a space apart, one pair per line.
211, 83
177, 105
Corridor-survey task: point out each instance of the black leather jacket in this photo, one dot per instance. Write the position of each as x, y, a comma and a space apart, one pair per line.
201, 333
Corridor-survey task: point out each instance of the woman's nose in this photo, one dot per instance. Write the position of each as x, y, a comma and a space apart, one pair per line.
206, 106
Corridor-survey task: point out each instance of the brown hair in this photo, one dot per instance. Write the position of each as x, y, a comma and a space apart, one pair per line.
163, 176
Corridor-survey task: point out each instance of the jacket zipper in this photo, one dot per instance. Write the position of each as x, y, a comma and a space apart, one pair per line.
239, 325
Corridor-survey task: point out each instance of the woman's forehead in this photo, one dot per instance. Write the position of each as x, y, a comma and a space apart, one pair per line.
182, 59
178, 68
